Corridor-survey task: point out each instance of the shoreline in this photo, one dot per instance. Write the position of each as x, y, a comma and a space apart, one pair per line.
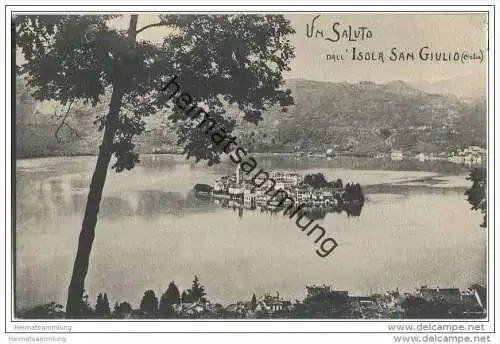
443, 168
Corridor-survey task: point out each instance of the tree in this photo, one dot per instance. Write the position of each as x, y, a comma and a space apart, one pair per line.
116, 311
149, 303
84, 308
121, 310
102, 306
168, 299
228, 60
254, 302
48, 311
184, 296
476, 194
385, 133
125, 307
418, 308
316, 180
25, 103
197, 291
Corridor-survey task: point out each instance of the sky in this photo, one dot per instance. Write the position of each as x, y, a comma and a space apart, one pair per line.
407, 32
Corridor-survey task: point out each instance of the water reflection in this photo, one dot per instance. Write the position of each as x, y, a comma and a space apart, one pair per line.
312, 212
52, 199
110, 206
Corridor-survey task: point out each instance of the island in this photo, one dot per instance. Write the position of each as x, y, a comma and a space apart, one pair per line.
317, 195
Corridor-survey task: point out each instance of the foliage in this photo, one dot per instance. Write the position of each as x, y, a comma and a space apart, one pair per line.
365, 118
196, 293
168, 299
254, 302
121, 310
223, 60
102, 306
418, 308
86, 309
327, 304
48, 311
354, 192
476, 194
316, 180
149, 303
385, 133
184, 296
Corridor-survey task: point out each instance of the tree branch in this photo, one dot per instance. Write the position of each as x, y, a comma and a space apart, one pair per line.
151, 25
77, 134
63, 122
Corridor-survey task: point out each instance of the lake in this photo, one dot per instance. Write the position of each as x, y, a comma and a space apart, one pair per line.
416, 228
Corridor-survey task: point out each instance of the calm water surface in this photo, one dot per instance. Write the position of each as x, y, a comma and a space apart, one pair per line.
415, 228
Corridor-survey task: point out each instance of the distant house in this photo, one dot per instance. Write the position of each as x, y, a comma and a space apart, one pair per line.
393, 298
322, 290
189, 309
472, 155
362, 301
421, 157
233, 308
396, 155
315, 290
473, 304
262, 306
272, 304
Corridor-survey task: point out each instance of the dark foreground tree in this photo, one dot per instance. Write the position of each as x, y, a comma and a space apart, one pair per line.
121, 310
196, 293
184, 297
224, 62
168, 299
476, 194
417, 308
102, 306
254, 302
49, 311
149, 303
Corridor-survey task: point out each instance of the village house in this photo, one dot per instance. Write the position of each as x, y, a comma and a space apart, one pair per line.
324, 290
421, 157
191, 309
473, 305
271, 304
362, 301
472, 155
396, 155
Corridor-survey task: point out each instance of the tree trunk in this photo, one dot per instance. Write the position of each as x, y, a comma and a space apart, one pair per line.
74, 304
87, 233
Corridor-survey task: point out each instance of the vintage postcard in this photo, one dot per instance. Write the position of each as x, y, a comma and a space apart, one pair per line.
251, 166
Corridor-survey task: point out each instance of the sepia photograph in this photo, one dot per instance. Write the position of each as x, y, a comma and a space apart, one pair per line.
250, 166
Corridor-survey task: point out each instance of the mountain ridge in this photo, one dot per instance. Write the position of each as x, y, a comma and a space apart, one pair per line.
362, 118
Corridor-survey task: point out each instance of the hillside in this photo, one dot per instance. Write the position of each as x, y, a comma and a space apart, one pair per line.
361, 118
367, 117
